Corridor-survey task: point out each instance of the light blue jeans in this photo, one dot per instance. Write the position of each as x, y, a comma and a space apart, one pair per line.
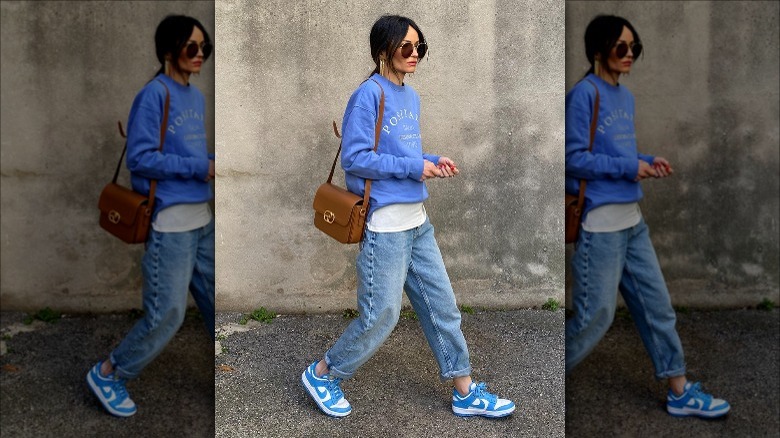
388, 264
172, 264
604, 263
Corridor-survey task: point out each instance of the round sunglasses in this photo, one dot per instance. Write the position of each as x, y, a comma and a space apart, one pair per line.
191, 49
621, 50
407, 49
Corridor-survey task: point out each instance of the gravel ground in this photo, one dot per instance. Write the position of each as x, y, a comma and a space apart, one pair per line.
734, 353
44, 392
398, 391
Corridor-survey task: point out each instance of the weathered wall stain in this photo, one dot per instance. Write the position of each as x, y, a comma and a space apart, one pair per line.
489, 100
708, 99
70, 70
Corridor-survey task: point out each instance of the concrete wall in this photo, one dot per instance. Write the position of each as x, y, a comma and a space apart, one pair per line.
707, 98
492, 92
492, 99
70, 70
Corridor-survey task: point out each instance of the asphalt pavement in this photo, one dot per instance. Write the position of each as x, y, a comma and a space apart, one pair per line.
735, 354
248, 385
397, 393
43, 391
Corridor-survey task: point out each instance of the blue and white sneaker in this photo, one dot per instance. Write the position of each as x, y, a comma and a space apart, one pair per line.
326, 392
695, 402
111, 392
480, 402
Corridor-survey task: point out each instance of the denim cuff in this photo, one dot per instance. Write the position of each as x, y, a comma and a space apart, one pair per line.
334, 372
670, 373
453, 374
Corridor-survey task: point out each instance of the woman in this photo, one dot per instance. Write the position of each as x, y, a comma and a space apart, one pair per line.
399, 251
614, 250
180, 248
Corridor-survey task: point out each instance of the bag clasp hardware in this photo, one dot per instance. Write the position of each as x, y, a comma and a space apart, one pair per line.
329, 216
114, 217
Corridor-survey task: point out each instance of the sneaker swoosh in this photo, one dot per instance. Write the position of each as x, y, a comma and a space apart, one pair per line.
108, 394
323, 394
695, 403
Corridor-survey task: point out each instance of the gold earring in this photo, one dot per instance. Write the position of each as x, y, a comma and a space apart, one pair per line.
382, 67
596, 67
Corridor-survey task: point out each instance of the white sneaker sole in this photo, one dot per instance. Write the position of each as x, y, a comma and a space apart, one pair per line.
688, 412
468, 412
96, 390
313, 393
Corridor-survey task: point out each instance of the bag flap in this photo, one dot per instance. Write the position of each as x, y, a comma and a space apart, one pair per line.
120, 204
332, 199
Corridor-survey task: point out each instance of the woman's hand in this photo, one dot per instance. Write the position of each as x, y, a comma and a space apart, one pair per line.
430, 171
662, 167
645, 171
447, 167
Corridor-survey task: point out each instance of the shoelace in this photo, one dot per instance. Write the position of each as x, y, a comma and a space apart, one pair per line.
695, 391
335, 390
481, 392
119, 388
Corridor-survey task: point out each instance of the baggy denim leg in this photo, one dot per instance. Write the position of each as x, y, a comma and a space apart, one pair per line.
381, 269
387, 264
623, 260
644, 290
597, 266
168, 265
430, 293
202, 284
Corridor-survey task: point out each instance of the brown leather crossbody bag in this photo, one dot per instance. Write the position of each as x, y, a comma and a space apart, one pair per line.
123, 212
340, 213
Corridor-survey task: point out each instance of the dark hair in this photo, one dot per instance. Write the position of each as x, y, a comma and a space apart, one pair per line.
172, 35
388, 33
602, 34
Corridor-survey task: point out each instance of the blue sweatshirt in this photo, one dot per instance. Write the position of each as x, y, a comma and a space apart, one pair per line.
182, 166
613, 164
397, 166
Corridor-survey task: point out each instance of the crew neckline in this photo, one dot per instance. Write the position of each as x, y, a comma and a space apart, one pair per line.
170, 81
388, 83
599, 78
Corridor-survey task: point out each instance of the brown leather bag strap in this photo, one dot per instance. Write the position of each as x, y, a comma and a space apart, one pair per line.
593, 123
333, 167
121, 157
377, 132
163, 128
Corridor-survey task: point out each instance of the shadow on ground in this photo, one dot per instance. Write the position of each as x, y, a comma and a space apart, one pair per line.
734, 353
44, 392
397, 393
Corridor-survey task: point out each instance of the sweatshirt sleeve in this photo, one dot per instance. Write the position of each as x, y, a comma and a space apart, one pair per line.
648, 158
432, 158
357, 151
143, 142
580, 163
